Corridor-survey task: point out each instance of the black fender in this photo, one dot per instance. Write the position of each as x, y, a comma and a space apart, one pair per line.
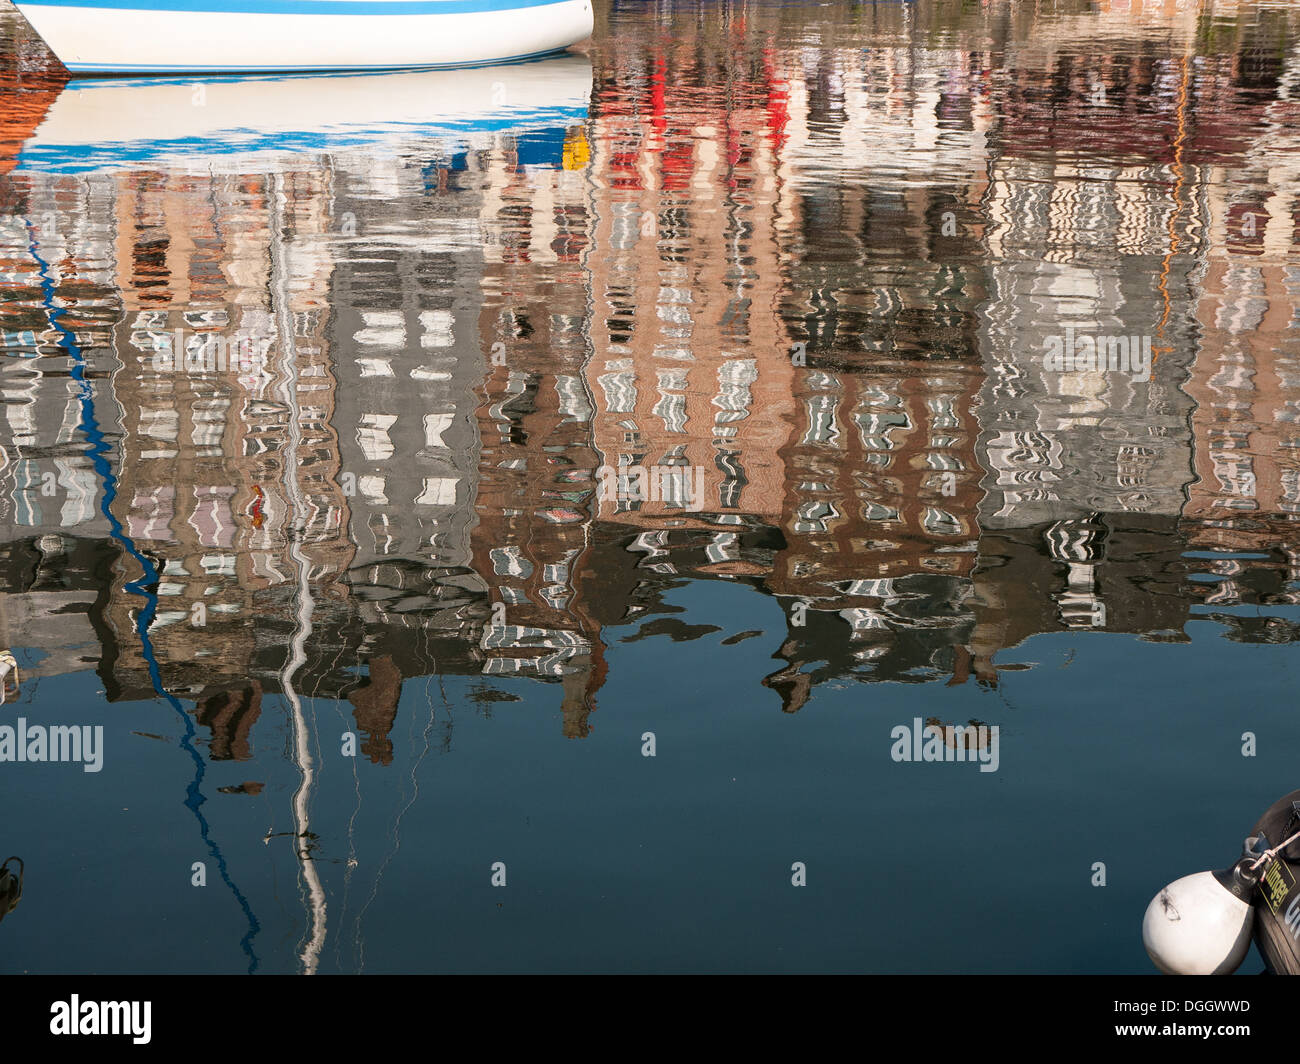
1277, 904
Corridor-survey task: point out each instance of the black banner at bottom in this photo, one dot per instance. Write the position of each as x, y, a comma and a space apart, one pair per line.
148, 1013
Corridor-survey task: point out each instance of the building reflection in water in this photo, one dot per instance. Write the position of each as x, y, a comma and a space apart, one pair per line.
817, 282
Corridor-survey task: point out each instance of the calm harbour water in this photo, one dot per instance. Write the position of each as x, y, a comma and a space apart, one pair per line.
316, 393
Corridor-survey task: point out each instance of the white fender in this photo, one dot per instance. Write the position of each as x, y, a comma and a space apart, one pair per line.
1196, 926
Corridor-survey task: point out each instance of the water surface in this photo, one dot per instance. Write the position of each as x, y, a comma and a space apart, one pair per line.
324, 405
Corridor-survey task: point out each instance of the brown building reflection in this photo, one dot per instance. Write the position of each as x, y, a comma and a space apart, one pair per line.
816, 281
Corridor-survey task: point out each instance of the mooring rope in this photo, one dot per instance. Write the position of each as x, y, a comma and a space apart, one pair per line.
1268, 855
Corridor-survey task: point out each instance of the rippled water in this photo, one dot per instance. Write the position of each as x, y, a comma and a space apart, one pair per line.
388, 463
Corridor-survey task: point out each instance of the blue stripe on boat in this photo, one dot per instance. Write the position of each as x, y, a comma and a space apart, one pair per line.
300, 7
264, 73
262, 68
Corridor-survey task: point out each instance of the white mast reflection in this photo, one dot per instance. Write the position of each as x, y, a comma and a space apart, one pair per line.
288, 386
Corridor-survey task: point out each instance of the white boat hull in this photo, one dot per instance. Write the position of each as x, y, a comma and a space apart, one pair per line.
245, 36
